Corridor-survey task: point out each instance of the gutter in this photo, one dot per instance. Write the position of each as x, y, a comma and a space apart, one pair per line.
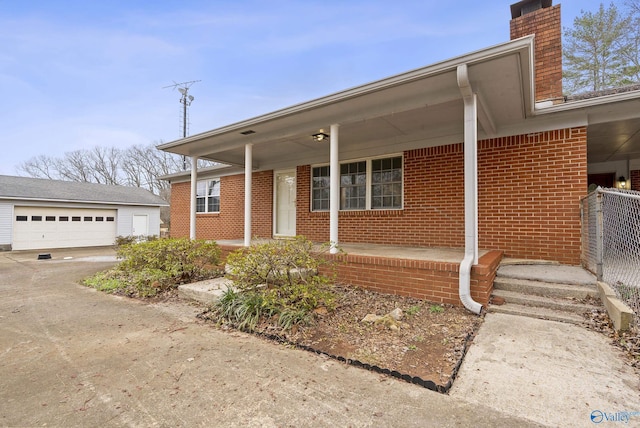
470, 190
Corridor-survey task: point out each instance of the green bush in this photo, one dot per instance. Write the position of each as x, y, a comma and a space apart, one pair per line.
276, 282
130, 239
155, 266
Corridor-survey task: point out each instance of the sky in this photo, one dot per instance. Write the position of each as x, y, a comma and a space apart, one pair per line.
80, 74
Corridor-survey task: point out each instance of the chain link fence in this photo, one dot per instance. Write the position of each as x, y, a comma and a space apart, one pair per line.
611, 241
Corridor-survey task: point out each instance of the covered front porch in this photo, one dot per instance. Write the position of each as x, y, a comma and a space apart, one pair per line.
428, 273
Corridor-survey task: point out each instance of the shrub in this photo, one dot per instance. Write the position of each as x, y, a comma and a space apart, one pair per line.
155, 266
130, 239
276, 282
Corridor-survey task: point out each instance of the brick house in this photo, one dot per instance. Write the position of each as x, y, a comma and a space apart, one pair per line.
481, 151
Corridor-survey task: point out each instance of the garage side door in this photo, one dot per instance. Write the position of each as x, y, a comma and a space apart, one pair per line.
38, 228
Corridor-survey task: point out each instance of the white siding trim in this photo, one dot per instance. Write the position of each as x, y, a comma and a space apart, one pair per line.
6, 225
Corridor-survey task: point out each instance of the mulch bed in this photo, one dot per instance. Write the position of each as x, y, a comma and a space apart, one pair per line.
426, 348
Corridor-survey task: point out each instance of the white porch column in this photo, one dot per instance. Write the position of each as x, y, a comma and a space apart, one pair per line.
334, 196
194, 184
248, 162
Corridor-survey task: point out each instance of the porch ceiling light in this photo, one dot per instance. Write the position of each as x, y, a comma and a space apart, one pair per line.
320, 136
622, 181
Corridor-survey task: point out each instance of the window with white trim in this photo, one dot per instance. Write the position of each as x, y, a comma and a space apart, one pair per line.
208, 196
320, 188
386, 183
371, 184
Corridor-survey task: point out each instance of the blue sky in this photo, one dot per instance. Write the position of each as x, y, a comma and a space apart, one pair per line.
78, 74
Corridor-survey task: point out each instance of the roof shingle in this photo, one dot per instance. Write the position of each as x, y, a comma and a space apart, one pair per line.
12, 187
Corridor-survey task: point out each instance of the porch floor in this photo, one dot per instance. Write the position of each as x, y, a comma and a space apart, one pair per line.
435, 254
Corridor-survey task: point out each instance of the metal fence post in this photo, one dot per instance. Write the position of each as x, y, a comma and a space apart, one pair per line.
599, 235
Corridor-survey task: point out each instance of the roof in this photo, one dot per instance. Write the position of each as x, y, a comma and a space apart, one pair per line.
424, 108
28, 188
418, 108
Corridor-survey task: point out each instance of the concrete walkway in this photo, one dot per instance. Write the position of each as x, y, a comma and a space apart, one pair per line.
552, 373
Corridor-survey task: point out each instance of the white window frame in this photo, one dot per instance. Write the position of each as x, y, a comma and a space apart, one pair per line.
206, 196
369, 183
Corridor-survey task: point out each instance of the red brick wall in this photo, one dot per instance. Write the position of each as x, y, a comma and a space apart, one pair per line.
528, 203
635, 179
545, 24
229, 223
529, 192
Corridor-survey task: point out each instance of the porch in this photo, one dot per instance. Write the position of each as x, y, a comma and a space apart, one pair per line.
429, 273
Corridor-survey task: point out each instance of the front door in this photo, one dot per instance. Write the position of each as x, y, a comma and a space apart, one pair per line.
285, 203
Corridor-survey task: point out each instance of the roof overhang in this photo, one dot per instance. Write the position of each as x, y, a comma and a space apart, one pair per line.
52, 201
419, 108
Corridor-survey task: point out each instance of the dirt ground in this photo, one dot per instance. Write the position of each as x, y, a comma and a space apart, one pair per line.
428, 341
71, 356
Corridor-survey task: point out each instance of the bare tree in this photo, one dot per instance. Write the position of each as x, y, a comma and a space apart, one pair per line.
40, 166
105, 164
136, 166
75, 166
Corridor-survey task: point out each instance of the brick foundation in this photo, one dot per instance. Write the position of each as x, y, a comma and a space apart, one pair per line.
423, 279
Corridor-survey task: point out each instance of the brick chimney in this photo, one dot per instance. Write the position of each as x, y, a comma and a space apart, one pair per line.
540, 18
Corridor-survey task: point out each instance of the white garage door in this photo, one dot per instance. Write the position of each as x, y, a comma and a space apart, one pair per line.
37, 228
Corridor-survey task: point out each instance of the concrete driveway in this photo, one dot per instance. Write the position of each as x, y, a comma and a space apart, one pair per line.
71, 356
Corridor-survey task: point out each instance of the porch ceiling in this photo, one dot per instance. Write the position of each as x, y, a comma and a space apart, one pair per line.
420, 108
614, 141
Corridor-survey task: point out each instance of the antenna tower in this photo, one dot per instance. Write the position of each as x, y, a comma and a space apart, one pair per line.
185, 100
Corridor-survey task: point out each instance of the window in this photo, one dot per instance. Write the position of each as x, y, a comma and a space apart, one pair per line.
63, 218
365, 184
36, 218
75, 218
88, 219
99, 218
320, 188
386, 183
50, 218
353, 186
110, 218
21, 218
208, 196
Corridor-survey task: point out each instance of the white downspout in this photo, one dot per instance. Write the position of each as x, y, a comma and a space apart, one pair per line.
194, 184
248, 163
334, 189
470, 190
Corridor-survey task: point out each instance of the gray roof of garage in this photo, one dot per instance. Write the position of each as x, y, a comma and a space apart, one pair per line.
56, 190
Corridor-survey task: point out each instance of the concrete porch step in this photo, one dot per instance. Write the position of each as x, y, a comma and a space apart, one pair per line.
537, 312
554, 303
549, 273
546, 289
206, 292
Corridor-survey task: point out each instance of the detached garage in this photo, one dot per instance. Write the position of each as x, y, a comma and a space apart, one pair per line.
38, 214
